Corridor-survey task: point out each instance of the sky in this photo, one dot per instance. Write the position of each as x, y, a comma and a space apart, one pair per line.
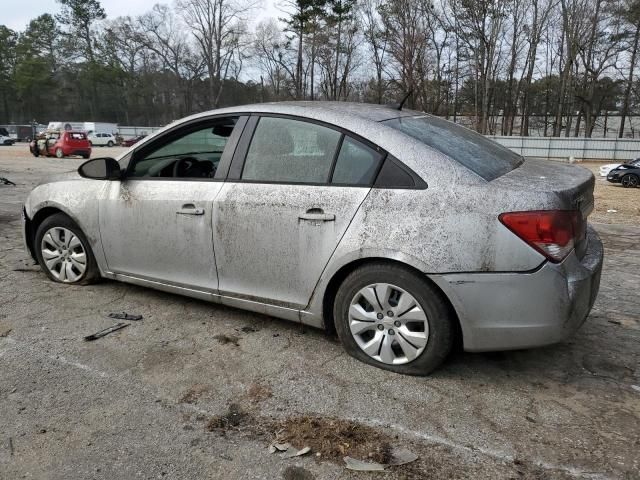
16, 14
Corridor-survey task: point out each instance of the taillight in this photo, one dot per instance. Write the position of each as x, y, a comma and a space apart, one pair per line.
551, 232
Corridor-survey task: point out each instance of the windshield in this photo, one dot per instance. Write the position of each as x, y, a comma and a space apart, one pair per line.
479, 154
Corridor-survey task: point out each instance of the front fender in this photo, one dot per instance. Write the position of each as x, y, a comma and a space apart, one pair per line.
79, 200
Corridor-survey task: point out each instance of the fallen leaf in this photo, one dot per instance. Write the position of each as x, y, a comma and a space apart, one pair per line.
401, 456
359, 465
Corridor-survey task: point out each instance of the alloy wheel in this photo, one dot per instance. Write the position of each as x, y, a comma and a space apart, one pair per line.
388, 324
63, 254
629, 181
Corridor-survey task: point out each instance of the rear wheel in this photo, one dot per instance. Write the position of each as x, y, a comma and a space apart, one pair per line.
63, 251
59, 153
630, 180
392, 318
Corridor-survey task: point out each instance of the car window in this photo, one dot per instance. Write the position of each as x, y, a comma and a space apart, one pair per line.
357, 164
485, 157
77, 136
195, 154
286, 150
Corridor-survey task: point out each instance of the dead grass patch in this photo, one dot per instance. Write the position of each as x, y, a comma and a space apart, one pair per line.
334, 438
258, 392
233, 419
194, 393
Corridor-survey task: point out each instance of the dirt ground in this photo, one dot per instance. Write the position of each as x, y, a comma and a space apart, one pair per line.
196, 390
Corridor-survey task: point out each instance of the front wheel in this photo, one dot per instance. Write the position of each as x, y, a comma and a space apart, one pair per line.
392, 318
109, 144
59, 153
63, 251
629, 181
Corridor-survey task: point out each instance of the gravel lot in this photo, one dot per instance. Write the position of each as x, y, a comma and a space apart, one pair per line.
197, 390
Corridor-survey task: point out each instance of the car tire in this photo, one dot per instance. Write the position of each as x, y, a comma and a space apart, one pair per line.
416, 346
68, 245
85, 156
109, 144
59, 153
630, 181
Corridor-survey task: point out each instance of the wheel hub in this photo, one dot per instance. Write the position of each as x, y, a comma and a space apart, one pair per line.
63, 254
388, 324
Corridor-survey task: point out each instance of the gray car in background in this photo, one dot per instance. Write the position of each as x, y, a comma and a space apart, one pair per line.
402, 231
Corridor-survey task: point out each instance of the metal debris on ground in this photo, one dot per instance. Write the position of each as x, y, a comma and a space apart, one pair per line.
289, 450
106, 331
125, 316
399, 456
279, 447
612, 211
6, 181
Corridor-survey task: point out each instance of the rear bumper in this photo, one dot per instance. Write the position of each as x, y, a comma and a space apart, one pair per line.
505, 311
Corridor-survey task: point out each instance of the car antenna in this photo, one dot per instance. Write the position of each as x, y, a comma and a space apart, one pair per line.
398, 106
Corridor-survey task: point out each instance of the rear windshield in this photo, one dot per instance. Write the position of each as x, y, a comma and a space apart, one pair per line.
479, 154
77, 136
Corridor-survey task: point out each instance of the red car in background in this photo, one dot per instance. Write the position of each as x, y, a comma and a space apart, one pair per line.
61, 144
132, 141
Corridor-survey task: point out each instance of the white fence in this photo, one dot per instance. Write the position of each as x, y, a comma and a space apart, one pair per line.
561, 148
132, 132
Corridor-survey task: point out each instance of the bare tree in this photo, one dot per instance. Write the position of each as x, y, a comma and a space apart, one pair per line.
218, 27
375, 36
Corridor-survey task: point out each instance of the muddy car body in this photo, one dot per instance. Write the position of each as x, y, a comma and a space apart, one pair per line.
397, 244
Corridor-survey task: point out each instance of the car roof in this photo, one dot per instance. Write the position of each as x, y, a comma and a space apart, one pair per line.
318, 110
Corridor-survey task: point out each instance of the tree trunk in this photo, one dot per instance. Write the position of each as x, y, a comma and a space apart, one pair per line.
627, 92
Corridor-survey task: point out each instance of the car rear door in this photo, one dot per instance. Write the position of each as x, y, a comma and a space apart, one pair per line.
293, 188
156, 223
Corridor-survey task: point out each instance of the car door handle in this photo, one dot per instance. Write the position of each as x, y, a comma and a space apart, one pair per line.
190, 209
317, 215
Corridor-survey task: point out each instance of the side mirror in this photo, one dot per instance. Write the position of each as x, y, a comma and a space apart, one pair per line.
100, 169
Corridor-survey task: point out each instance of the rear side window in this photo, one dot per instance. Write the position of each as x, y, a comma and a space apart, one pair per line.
286, 150
357, 164
485, 157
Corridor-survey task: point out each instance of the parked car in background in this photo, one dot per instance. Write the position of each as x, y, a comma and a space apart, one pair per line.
403, 231
628, 174
102, 139
605, 169
6, 140
61, 144
132, 141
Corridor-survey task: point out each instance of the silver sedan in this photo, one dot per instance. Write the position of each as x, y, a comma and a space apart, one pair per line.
403, 232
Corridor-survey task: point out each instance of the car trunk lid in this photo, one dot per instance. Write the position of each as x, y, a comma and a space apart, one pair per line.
561, 186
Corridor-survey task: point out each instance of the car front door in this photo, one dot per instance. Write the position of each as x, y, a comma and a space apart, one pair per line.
156, 223
292, 191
